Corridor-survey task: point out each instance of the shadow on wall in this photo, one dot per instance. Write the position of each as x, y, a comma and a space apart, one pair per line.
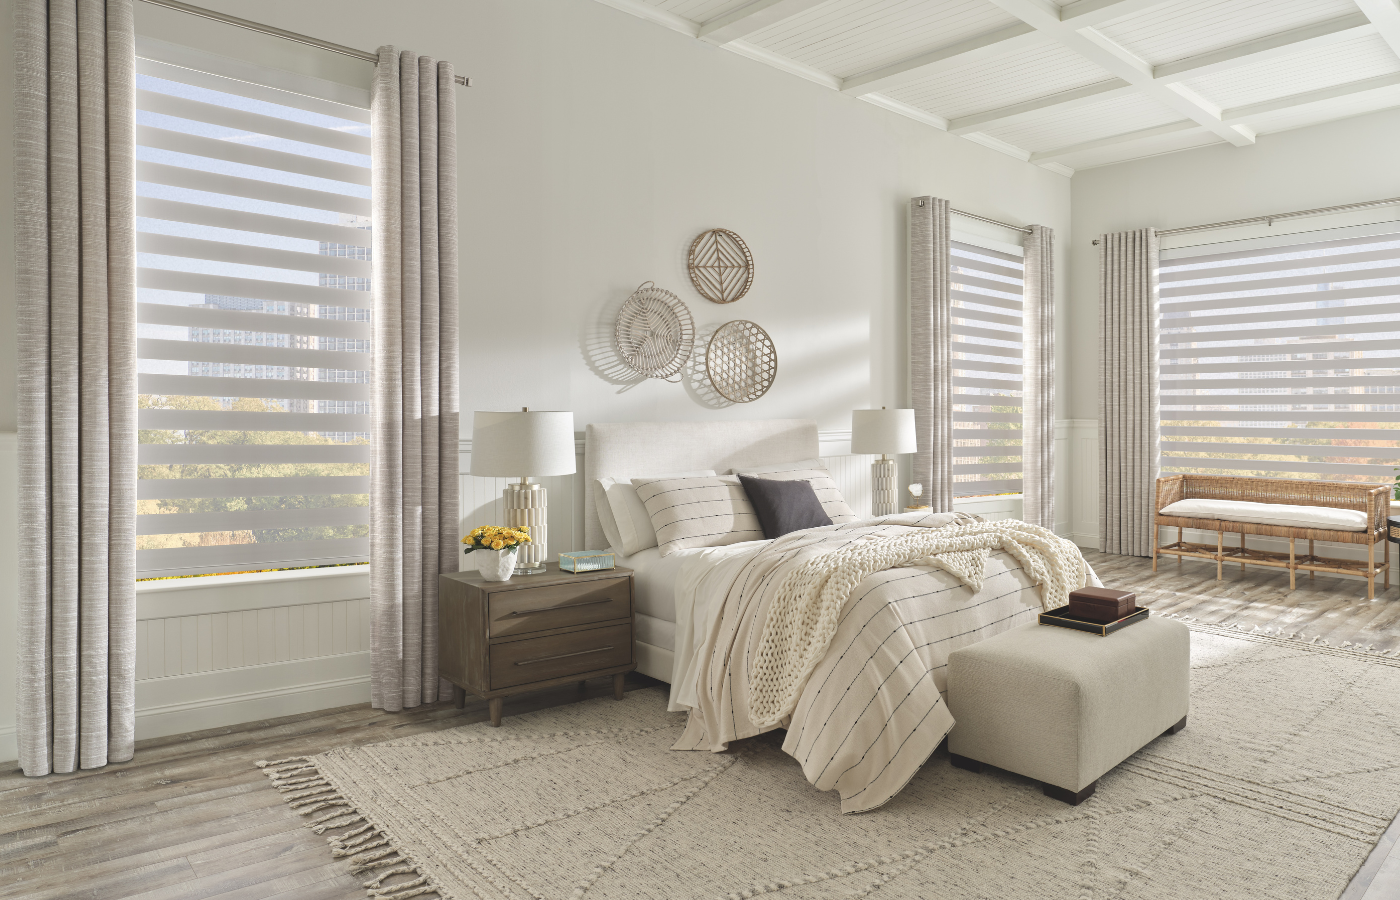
696, 379
598, 346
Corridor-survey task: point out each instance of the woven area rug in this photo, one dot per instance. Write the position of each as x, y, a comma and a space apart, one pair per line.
1285, 776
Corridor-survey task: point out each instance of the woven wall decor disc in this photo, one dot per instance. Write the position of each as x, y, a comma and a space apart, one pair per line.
655, 333
741, 361
721, 266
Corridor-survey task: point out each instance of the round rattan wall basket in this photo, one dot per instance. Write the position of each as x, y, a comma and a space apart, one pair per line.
721, 266
655, 333
741, 361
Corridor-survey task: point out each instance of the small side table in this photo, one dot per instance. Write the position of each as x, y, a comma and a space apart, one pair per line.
499, 638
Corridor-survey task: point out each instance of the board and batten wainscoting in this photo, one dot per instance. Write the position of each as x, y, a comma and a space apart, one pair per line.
227, 649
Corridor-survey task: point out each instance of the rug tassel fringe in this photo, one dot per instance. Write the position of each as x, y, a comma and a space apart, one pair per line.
367, 849
1294, 637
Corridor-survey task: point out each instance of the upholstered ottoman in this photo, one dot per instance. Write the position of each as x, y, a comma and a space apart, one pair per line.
1064, 707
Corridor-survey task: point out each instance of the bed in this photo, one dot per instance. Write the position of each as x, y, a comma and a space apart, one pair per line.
871, 710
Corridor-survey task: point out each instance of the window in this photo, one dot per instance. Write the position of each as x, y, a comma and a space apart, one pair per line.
253, 207
1283, 361
986, 293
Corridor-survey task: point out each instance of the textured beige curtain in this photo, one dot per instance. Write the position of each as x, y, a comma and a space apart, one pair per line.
930, 353
1129, 433
1038, 380
413, 484
75, 291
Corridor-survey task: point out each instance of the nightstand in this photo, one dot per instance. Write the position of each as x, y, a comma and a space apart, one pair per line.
498, 638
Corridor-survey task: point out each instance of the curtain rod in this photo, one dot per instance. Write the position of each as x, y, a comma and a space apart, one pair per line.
1321, 210
276, 32
969, 215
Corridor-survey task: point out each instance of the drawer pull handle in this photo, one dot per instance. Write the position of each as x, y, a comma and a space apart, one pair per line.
542, 609
531, 662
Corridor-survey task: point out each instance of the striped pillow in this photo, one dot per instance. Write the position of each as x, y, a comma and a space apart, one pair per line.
698, 512
812, 471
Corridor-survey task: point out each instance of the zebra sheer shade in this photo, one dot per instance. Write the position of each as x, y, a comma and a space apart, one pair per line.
76, 301
413, 477
1038, 379
1129, 443
930, 320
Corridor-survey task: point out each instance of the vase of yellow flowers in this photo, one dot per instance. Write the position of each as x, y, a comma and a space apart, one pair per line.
495, 547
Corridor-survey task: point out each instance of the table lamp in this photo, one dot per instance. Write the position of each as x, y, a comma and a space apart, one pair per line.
524, 444
886, 432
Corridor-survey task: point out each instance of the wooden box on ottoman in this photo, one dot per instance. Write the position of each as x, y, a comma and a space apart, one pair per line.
1064, 707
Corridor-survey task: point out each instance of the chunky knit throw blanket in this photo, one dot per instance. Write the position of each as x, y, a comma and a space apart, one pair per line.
803, 615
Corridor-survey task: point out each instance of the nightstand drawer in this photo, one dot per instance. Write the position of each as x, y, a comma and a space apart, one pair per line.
558, 655
558, 606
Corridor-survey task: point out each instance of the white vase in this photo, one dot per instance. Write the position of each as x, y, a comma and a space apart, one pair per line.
496, 565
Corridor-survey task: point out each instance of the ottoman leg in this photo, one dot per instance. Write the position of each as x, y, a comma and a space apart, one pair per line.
962, 762
1177, 727
1065, 795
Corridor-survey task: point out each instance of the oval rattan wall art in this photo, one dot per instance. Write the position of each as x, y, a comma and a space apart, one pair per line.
655, 333
741, 361
721, 266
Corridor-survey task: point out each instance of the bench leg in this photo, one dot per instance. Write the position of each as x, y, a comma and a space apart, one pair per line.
1180, 533
1370, 571
1064, 795
1220, 556
1292, 566
1312, 559
1241, 552
963, 762
1177, 727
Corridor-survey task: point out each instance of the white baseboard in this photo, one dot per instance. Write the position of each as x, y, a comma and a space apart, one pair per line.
9, 747
198, 715
1088, 540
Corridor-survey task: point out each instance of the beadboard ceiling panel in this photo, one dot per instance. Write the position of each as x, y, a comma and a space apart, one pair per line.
1072, 83
1184, 28
847, 37
1051, 129
999, 81
1320, 67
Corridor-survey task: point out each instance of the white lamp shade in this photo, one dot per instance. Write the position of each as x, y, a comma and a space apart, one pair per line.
883, 431
520, 444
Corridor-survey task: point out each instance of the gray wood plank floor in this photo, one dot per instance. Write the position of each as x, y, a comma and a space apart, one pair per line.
191, 817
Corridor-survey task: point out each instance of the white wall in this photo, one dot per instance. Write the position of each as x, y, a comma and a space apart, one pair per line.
593, 147
1347, 161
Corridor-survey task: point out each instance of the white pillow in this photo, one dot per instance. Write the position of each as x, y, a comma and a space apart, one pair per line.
606, 517
698, 512
815, 473
630, 519
1270, 514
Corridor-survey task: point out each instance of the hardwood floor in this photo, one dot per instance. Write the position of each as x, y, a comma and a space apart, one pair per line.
191, 817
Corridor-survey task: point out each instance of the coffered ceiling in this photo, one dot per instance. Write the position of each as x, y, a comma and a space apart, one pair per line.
1079, 84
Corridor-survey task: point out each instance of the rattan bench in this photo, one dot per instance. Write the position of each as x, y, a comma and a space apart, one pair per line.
1371, 498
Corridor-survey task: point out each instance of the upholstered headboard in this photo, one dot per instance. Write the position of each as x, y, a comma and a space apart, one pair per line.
624, 450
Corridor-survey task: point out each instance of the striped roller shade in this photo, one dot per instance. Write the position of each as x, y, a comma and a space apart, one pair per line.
254, 338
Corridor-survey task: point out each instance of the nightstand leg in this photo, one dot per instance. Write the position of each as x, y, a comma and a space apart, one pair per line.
617, 687
495, 706
459, 697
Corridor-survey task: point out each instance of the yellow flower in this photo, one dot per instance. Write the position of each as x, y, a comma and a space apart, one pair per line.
498, 545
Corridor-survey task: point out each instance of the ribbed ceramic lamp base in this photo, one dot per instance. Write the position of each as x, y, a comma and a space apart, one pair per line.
527, 504
882, 478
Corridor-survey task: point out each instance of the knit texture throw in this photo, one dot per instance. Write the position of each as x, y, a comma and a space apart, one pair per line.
803, 616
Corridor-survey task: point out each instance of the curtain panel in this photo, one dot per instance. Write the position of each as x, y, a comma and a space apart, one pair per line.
1038, 379
413, 485
1129, 429
930, 352
75, 291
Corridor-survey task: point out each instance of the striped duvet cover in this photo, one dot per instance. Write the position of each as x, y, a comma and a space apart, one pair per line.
873, 710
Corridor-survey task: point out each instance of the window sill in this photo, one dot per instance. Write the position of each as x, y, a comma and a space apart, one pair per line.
249, 578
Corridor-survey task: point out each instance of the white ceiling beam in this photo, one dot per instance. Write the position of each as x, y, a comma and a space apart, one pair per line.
745, 20
1322, 95
1284, 43
1114, 140
1385, 15
1117, 60
643, 10
1087, 13
993, 43
1063, 101
913, 112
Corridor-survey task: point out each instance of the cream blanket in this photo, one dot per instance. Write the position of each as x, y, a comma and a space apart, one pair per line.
802, 617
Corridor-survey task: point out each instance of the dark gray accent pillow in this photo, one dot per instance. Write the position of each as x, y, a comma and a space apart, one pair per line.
784, 506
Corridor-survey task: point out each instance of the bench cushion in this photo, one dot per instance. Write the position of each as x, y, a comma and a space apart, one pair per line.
1279, 514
